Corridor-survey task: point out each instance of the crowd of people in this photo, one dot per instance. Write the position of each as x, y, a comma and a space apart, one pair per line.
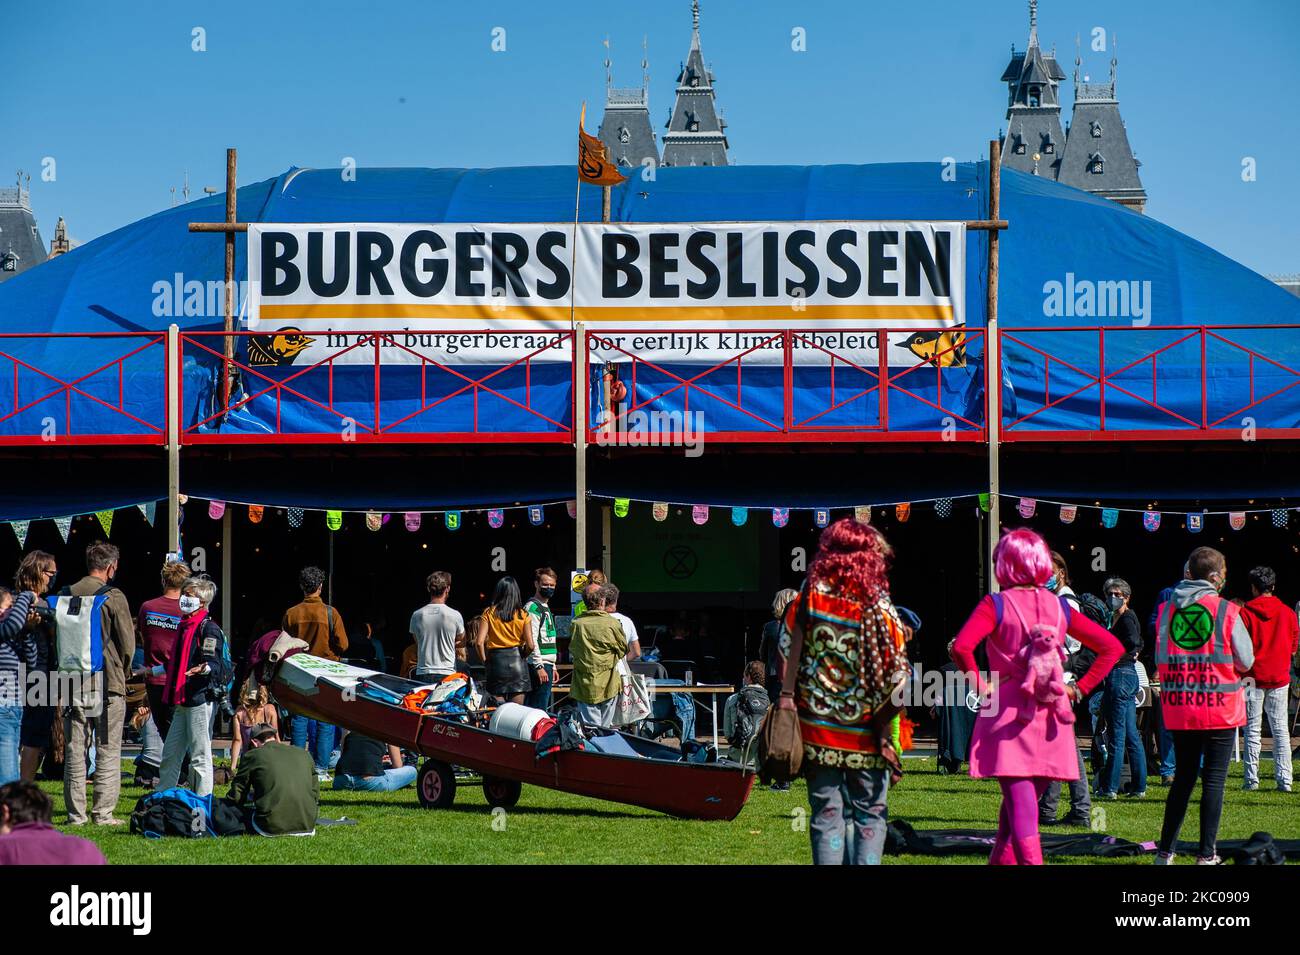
1040, 658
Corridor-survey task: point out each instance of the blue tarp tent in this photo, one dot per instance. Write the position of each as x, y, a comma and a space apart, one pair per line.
1057, 235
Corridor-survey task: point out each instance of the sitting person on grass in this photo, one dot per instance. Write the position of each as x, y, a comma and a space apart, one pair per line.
280, 782
27, 837
361, 767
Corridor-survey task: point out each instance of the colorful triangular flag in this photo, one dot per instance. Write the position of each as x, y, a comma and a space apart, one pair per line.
64, 524
1027, 507
1281, 517
984, 503
739, 515
1109, 517
821, 517
536, 515
105, 521
150, 510
659, 511
943, 507
863, 513
1236, 520
333, 520
452, 519
780, 516
700, 513
1151, 520
903, 511
572, 508
295, 516
621, 505
412, 520
20, 531
374, 520
1195, 522
255, 512
1068, 513
496, 517
216, 509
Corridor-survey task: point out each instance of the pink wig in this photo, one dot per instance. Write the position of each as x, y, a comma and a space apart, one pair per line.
1022, 557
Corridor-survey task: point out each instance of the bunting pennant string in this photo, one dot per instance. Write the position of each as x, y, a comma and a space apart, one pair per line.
1151, 520
150, 511
700, 514
411, 519
1194, 523
216, 509
334, 520
621, 505
903, 511
105, 521
1027, 507
255, 512
780, 516
572, 508
374, 521
453, 520
821, 517
20, 531
1109, 517
739, 515
1236, 520
64, 524
535, 515
943, 507
659, 510
863, 513
295, 517
496, 517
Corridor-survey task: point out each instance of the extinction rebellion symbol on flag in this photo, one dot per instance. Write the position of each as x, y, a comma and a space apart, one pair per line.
1191, 626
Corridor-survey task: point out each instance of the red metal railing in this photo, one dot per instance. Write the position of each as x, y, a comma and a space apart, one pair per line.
349, 404
81, 407
840, 393
1073, 383
1081, 383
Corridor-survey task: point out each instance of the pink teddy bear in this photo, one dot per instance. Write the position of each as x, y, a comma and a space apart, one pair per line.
1044, 677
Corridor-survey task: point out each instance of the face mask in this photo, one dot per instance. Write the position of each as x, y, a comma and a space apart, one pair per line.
546, 592
190, 604
1052, 583
54, 582
1115, 601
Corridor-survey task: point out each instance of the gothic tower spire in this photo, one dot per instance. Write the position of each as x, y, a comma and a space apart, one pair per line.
1034, 138
696, 134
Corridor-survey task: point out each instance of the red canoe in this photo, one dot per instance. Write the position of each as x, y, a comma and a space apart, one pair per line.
656, 778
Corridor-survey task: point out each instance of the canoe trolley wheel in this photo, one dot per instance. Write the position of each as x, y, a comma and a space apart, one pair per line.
436, 786
501, 792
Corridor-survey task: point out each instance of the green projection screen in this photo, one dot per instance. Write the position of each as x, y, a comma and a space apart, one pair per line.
677, 555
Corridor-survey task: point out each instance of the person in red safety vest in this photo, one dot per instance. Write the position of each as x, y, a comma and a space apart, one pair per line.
1202, 650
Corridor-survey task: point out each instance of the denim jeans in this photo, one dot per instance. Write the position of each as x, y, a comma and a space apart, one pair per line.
1164, 740
11, 726
324, 743
1262, 703
540, 698
597, 714
1080, 799
1099, 750
1121, 713
188, 734
866, 792
684, 709
391, 781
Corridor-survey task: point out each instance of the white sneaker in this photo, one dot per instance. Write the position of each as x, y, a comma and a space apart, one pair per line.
1164, 858
1212, 860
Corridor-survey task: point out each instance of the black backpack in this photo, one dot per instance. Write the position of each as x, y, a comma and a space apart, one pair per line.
1095, 609
750, 710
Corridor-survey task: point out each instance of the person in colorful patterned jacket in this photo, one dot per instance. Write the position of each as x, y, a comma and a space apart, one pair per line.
851, 654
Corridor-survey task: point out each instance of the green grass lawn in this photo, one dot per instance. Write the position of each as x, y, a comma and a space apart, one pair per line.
554, 827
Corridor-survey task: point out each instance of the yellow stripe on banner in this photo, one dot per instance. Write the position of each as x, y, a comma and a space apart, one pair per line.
559, 314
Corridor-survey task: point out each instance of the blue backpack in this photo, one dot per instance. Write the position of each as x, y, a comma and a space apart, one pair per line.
79, 630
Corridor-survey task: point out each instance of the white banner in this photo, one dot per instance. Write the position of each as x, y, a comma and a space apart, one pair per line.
695, 291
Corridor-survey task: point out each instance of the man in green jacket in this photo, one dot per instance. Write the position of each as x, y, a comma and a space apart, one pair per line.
596, 644
280, 782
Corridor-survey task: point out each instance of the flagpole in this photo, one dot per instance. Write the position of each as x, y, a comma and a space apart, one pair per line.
579, 384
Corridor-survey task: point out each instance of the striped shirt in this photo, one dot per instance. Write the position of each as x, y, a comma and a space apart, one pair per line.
17, 649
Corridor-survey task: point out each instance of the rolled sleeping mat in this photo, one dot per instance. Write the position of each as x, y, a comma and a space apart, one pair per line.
516, 721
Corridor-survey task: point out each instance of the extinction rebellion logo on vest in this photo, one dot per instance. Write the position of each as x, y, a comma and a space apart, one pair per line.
78, 909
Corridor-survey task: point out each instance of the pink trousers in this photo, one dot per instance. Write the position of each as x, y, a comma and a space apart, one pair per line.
1017, 840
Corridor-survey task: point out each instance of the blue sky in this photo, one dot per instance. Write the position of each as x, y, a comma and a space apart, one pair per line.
114, 93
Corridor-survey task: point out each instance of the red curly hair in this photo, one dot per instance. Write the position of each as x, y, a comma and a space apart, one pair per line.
852, 558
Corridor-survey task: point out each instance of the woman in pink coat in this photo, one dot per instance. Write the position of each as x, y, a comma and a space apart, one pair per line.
1024, 734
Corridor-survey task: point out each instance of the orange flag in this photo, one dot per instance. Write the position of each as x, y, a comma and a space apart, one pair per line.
593, 167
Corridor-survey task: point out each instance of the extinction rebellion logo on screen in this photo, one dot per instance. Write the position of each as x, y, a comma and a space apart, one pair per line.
493, 292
